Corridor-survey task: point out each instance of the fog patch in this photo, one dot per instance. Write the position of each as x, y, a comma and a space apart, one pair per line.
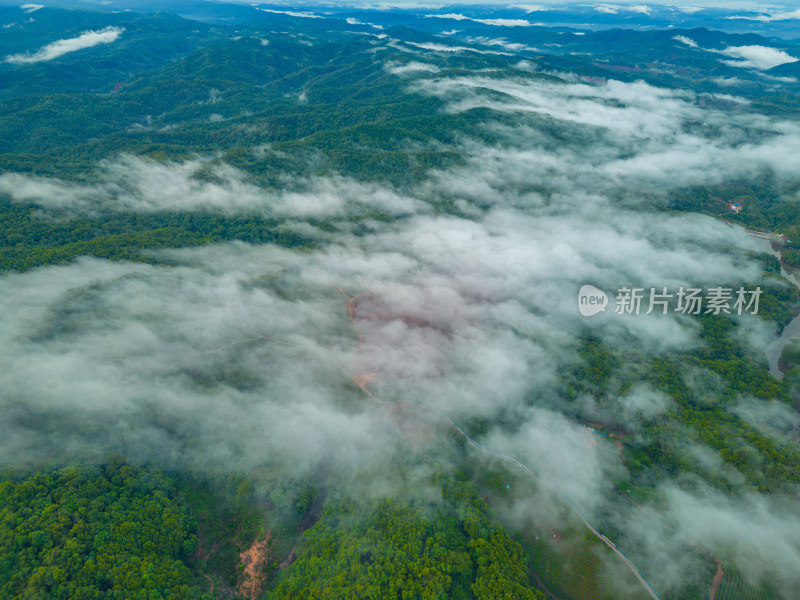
772, 418
410, 68
135, 184
61, 47
756, 57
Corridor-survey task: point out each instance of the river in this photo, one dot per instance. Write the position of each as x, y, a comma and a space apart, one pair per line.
774, 350
790, 332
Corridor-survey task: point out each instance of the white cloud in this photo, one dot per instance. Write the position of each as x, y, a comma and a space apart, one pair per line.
29, 8
444, 48
613, 9
453, 16
506, 22
728, 81
293, 13
778, 79
756, 57
607, 8
502, 42
354, 21
235, 355
496, 22
639, 8
532, 7
410, 67
729, 98
620, 113
135, 184
773, 418
643, 402
720, 523
768, 18
749, 57
685, 40
60, 47
690, 9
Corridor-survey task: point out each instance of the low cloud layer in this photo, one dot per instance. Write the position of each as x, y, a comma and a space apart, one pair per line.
268, 361
448, 48
630, 137
613, 9
411, 68
293, 13
495, 22
58, 48
761, 58
770, 17
135, 184
756, 57
685, 40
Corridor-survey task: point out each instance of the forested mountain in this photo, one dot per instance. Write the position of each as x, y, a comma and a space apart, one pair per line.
293, 302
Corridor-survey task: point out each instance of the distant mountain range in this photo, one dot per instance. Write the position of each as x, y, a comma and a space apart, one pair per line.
770, 21
661, 45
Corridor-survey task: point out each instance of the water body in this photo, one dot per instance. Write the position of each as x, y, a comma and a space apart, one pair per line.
790, 332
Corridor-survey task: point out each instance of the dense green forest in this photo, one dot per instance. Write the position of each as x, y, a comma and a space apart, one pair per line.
121, 531
764, 207
95, 532
701, 416
29, 241
454, 550
261, 98
274, 110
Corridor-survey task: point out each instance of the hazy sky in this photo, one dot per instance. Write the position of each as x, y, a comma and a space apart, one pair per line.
739, 4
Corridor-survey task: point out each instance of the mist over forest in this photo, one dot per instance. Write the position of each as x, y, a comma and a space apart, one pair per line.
299, 288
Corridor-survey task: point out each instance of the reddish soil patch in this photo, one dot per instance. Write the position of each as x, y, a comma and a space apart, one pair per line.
370, 312
362, 380
621, 453
254, 558
717, 579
